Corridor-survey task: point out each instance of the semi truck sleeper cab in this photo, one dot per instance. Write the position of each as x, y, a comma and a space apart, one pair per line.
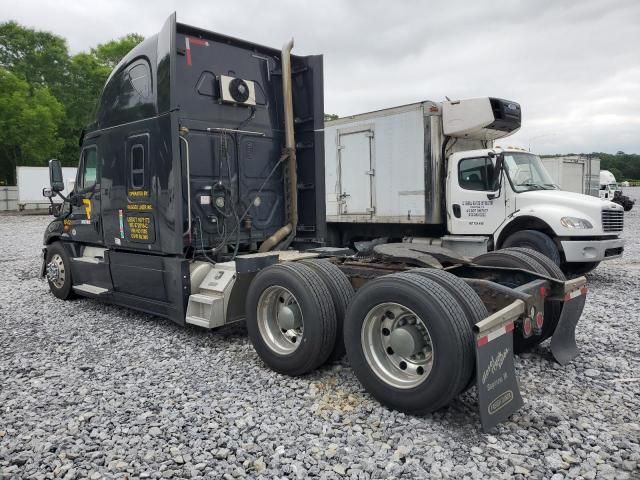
200, 197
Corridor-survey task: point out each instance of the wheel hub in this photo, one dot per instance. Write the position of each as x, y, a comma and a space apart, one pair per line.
397, 345
290, 317
53, 273
406, 341
56, 273
280, 320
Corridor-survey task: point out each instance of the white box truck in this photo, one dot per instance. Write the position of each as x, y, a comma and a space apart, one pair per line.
31, 181
430, 172
575, 173
610, 189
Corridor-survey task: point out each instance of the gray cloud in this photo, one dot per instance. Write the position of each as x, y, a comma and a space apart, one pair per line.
574, 66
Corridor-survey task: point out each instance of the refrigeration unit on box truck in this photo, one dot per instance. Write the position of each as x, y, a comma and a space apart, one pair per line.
433, 172
200, 197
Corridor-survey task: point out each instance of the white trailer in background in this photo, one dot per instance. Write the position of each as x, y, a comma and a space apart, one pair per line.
31, 181
575, 173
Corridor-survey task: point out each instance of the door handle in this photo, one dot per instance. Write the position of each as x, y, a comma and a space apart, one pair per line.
456, 210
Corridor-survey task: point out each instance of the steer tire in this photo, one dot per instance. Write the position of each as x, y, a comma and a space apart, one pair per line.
318, 317
534, 240
341, 293
65, 290
449, 330
577, 269
552, 310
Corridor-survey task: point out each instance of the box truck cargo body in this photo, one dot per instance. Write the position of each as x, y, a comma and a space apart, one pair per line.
573, 173
31, 181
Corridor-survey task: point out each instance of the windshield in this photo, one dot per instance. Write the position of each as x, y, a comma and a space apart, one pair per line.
526, 172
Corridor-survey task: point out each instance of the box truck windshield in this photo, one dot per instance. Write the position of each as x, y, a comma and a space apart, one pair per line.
526, 172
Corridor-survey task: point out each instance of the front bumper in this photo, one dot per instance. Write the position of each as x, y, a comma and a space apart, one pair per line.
592, 250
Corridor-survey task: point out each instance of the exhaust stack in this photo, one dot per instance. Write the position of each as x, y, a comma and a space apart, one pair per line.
289, 153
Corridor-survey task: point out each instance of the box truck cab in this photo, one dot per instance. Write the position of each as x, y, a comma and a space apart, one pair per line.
429, 172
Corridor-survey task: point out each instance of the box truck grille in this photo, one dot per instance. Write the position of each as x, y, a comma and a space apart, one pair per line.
612, 220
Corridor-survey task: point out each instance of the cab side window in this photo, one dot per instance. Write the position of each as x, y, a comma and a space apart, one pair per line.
137, 166
476, 174
88, 173
138, 162
128, 95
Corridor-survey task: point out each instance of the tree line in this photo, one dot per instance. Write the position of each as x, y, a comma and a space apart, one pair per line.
47, 95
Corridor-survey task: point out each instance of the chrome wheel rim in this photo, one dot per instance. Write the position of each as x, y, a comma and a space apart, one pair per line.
280, 320
56, 273
397, 345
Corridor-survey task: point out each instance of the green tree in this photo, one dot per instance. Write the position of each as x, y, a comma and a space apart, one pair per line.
330, 116
29, 119
109, 54
40, 58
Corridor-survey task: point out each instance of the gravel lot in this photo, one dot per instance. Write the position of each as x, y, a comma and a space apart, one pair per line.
91, 390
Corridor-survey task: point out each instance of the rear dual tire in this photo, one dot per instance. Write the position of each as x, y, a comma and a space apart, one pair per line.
409, 342
291, 318
341, 292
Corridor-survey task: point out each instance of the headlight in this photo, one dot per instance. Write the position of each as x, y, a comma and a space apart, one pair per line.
575, 222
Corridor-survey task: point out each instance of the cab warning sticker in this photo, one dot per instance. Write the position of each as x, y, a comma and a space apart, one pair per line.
476, 208
140, 228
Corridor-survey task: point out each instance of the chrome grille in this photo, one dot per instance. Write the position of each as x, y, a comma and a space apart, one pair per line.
612, 220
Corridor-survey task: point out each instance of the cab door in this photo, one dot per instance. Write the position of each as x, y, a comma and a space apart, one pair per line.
86, 225
475, 206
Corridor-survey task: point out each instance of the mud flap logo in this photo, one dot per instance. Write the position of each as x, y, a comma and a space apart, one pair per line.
504, 399
495, 364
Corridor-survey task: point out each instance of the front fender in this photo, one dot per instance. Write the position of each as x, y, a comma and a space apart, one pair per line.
550, 215
53, 232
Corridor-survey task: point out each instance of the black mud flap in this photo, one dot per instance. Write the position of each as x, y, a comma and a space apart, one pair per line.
498, 392
43, 266
563, 342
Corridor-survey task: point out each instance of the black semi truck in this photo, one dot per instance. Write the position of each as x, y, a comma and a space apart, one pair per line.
200, 198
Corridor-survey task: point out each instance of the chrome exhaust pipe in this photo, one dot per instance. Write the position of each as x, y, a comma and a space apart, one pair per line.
288, 230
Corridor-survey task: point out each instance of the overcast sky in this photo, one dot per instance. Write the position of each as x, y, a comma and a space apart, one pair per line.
574, 66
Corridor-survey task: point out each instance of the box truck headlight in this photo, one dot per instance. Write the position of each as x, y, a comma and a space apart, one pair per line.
575, 222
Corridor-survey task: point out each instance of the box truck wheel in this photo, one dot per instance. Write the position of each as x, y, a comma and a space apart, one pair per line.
534, 240
533, 261
58, 271
291, 319
341, 292
409, 342
576, 269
